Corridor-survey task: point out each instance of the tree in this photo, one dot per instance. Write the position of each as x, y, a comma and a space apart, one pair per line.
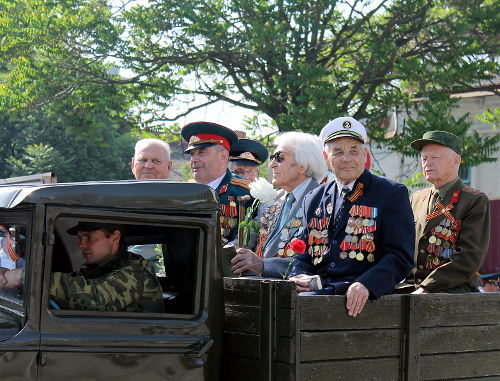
299, 62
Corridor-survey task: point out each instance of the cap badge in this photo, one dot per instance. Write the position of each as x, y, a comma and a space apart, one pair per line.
346, 124
193, 140
248, 156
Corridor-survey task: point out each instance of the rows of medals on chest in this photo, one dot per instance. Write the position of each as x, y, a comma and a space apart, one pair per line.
271, 217
363, 224
441, 243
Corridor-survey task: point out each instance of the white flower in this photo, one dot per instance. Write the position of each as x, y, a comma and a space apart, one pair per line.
262, 190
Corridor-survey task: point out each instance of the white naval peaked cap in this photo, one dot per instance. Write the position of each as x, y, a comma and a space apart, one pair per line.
344, 126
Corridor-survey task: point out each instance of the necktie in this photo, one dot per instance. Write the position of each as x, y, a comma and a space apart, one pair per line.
433, 199
343, 196
290, 198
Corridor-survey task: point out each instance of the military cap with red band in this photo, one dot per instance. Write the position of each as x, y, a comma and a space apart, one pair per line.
206, 134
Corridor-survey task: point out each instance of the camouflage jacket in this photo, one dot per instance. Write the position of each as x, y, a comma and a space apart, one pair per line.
126, 283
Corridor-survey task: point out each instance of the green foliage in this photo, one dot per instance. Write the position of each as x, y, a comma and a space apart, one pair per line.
37, 159
187, 174
299, 62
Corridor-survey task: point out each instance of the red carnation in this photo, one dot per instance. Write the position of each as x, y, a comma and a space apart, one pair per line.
298, 246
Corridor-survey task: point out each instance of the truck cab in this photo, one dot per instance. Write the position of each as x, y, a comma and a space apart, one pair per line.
173, 225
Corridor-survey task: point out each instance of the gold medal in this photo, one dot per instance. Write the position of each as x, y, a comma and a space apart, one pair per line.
352, 254
290, 253
231, 222
360, 256
370, 257
281, 252
444, 231
354, 239
296, 223
438, 242
366, 221
435, 261
446, 245
432, 239
343, 255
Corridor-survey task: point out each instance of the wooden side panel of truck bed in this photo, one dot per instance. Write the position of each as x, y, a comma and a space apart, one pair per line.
272, 334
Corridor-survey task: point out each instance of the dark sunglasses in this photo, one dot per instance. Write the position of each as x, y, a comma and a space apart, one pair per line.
278, 155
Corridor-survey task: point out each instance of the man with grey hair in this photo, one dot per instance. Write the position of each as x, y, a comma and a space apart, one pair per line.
297, 165
151, 160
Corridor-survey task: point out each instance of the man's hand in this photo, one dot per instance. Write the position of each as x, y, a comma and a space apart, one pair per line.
302, 285
357, 295
3, 279
421, 290
10, 279
247, 260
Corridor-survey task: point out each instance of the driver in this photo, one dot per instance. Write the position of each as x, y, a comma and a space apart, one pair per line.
111, 279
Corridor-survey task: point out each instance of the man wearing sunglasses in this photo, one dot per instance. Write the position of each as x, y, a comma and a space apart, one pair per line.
209, 145
297, 166
358, 229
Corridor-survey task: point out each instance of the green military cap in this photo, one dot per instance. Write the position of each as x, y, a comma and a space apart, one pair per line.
443, 138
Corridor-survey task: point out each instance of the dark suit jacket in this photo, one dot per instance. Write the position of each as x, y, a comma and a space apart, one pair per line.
230, 188
277, 266
459, 273
393, 238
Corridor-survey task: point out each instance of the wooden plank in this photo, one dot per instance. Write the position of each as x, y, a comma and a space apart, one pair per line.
410, 338
285, 326
352, 370
287, 295
329, 312
285, 372
460, 365
241, 319
459, 309
241, 345
337, 345
286, 350
242, 292
267, 330
234, 368
460, 339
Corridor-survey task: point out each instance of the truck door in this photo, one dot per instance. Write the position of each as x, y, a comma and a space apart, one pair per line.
83, 344
19, 320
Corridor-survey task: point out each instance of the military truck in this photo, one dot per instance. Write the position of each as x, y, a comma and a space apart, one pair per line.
213, 328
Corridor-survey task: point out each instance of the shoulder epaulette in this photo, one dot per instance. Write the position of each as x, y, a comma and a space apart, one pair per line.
425, 192
472, 190
240, 182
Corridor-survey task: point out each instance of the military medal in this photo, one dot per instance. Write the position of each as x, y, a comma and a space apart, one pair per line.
329, 208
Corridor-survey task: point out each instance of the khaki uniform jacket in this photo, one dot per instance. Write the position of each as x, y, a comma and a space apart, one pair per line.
458, 273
